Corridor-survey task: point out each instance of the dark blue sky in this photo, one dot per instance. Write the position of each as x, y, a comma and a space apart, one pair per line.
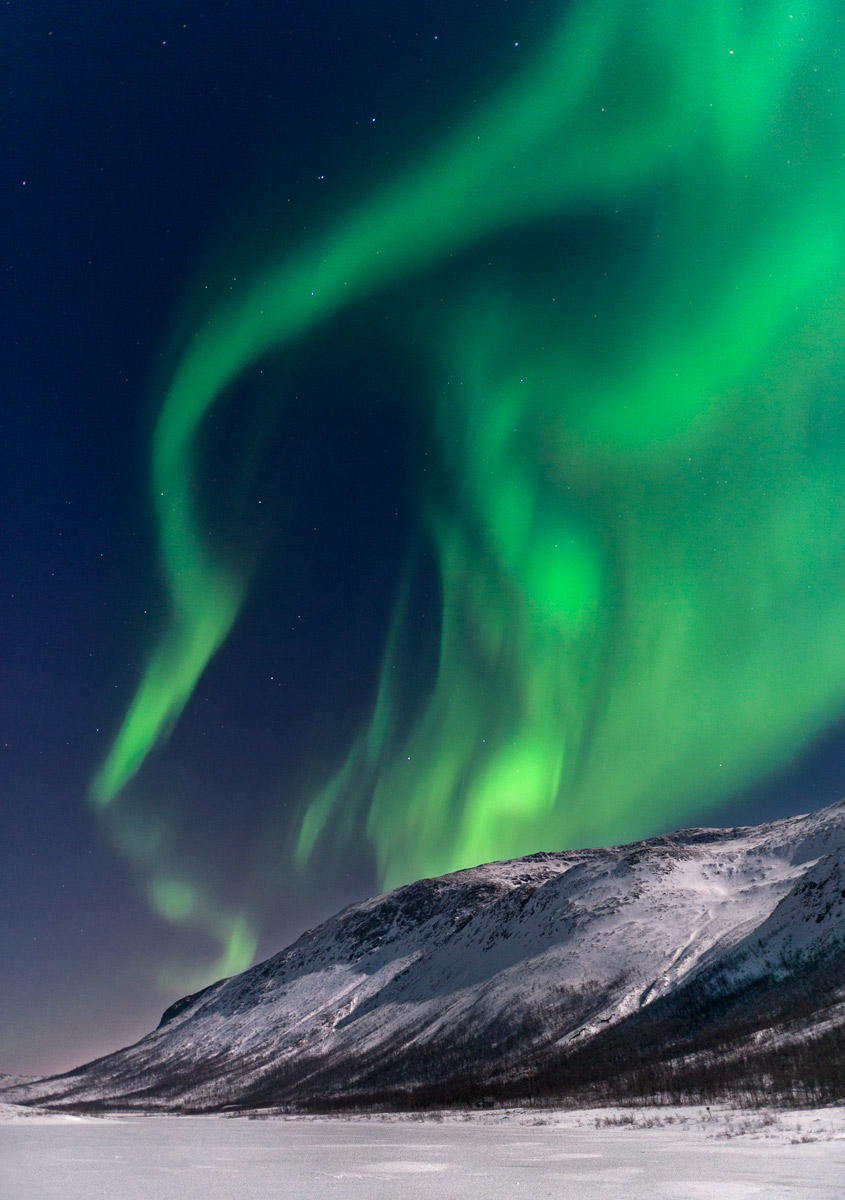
138, 140
135, 139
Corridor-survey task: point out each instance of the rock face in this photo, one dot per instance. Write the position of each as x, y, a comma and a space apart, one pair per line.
698, 957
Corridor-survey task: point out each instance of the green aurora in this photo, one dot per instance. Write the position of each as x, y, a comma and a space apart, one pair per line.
637, 514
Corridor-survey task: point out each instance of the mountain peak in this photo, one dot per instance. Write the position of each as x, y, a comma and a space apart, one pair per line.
519, 978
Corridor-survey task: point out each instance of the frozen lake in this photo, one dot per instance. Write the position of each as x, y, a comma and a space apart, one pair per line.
684, 1155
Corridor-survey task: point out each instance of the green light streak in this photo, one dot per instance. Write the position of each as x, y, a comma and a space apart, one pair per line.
641, 567
173, 899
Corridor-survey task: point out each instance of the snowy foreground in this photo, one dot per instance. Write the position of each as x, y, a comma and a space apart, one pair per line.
608, 1154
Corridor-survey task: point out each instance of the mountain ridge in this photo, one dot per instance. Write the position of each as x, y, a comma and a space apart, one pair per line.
554, 974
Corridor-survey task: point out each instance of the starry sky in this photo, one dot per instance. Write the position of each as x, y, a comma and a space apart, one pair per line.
421, 444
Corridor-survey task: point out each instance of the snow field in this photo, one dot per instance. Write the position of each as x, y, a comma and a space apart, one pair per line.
608, 1154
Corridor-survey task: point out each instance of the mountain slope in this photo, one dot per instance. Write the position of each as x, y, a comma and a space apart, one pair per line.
529, 976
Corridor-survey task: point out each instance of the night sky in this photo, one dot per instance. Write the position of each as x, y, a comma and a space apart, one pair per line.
422, 443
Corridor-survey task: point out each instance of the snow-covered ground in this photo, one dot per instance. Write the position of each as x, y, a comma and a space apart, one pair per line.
610, 1154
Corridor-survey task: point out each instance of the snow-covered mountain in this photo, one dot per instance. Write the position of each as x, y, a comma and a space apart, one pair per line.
703, 946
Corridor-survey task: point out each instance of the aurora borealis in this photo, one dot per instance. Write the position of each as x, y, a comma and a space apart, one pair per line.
601, 289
